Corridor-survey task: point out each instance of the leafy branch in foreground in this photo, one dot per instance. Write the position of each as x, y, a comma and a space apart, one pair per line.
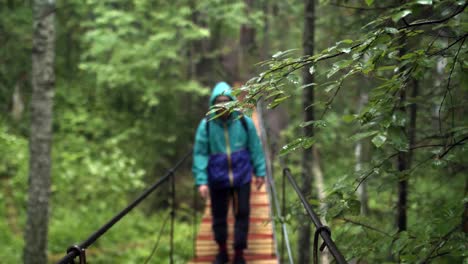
377, 55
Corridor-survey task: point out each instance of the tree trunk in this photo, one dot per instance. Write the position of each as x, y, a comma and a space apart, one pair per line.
465, 213
18, 105
320, 188
402, 165
247, 46
194, 45
265, 49
307, 156
207, 68
43, 81
439, 79
413, 108
405, 158
359, 155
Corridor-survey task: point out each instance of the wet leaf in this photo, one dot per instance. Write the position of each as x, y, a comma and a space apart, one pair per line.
379, 140
396, 17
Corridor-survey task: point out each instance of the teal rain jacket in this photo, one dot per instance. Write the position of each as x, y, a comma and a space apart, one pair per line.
231, 153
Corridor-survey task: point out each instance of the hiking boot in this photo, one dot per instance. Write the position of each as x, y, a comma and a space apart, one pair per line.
239, 260
221, 258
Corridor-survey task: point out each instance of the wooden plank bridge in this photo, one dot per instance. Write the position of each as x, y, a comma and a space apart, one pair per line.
261, 244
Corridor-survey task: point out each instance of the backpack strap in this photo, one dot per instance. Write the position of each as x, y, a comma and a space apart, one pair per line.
244, 125
207, 128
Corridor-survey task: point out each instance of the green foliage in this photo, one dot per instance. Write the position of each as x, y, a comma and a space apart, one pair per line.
129, 96
396, 51
13, 175
15, 50
141, 233
126, 52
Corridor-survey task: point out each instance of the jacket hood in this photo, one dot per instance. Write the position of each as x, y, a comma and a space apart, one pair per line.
221, 88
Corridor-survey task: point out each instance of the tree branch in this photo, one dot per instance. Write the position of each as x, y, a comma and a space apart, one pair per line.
366, 226
327, 104
450, 147
297, 64
449, 46
439, 244
448, 91
362, 8
437, 21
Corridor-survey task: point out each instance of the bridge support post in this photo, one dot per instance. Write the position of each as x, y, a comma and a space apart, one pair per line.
81, 252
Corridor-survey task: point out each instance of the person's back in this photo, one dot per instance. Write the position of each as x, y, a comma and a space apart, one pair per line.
227, 151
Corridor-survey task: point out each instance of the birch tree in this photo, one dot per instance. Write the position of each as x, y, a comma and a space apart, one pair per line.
43, 82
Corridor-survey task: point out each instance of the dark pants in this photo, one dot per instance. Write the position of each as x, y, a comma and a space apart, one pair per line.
240, 196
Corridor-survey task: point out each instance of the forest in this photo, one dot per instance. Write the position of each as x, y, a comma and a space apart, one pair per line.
364, 101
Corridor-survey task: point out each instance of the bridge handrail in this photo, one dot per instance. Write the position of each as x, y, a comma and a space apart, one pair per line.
321, 230
79, 250
271, 184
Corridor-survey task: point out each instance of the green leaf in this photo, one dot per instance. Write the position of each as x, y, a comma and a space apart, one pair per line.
439, 163
277, 54
274, 94
280, 54
338, 66
369, 2
408, 56
307, 85
424, 2
379, 140
348, 118
387, 68
398, 139
362, 135
315, 123
277, 101
312, 69
396, 17
345, 50
331, 87
399, 119
391, 30
354, 207
344, 41
302, 142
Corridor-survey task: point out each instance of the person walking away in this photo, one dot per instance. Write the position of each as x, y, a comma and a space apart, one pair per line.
226, 153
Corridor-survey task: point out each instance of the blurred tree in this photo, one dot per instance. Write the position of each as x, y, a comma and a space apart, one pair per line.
308, 105
43, 83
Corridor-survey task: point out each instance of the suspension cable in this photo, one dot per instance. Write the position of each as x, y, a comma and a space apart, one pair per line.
321, 230
271, 184
173, 207
156, 245
78, 250
194, 221
283, 209
283, 224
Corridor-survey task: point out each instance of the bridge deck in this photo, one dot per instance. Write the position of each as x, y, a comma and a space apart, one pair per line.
261, 247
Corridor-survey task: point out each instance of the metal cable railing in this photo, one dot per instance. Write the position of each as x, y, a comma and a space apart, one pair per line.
272, 190
321, 230
155, 247
280, 213
80, 249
